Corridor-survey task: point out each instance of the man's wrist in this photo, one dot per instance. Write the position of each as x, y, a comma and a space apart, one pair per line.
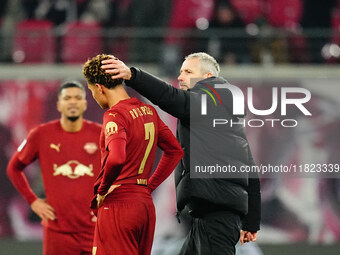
133, 73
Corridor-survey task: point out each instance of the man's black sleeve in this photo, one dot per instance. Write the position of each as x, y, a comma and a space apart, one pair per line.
171, 100
251, 222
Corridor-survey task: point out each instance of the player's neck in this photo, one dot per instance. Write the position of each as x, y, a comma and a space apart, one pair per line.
117, 94
71, 126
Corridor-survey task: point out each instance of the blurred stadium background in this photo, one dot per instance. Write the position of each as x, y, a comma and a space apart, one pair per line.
259, 43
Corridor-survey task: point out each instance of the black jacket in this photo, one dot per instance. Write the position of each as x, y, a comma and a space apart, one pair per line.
221, 145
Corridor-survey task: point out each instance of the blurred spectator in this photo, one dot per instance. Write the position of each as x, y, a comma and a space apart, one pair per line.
230, 47
3, 6
290, 44
105, 12
151, 14
250, 10
184, 21
283, 14
317, 15
57, 11
29, 7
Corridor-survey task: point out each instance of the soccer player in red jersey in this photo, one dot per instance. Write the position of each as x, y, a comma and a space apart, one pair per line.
69, 157
130, 134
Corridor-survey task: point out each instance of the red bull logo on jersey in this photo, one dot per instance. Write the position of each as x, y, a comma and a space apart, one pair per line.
90, 148
111, 128
73, 169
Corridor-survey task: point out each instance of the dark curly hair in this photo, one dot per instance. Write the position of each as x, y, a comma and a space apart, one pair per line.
95, 74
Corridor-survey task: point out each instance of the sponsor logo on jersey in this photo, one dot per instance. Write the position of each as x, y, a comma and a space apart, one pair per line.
111, 128
55, 147
90, 148
142, 181
73, 169
112, 114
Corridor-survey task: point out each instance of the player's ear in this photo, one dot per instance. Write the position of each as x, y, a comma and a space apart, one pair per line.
208, 75
100, 88
58, 106
85, 105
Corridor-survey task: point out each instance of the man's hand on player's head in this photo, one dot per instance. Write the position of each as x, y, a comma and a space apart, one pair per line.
117, 68
44, 210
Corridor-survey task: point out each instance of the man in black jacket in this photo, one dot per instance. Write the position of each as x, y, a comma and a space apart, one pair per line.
221, 206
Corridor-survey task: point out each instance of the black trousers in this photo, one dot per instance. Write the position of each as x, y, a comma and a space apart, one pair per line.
213, 233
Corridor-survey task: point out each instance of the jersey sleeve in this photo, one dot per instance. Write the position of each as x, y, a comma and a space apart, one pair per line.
26, 153
113, 164
28, 150
115, 143
172, 154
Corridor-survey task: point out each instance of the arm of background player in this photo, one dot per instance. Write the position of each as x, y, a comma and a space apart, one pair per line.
39, 206
113, 164
172, 154
171, 100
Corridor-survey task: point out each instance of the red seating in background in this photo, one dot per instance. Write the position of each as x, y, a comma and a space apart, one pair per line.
80, 42
336, 26
335, 38
34, 42
285, 14
249, 10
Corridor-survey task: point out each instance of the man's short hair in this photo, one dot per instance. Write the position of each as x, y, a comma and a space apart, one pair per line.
71, 84
95, 74
208, 64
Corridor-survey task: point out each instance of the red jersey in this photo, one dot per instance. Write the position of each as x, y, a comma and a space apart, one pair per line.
69, 162
139, 125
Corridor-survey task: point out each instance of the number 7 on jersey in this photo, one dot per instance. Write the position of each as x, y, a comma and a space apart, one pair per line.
149, 135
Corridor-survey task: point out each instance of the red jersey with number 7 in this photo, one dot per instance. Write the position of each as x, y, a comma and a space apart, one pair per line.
142, 129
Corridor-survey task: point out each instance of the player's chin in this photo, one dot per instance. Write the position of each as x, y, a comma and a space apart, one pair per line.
102, 105
73, 117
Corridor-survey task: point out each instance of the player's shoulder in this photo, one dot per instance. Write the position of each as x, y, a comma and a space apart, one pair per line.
113, 113
92, 125
44, 128
150, 108
53, 124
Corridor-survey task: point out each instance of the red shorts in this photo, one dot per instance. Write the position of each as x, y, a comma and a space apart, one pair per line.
56, 243
126, 222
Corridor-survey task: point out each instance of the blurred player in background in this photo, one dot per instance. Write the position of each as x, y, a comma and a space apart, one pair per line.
131, 132
69, 157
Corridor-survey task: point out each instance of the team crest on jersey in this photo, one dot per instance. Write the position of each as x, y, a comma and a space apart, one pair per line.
111, 128
73, 169
90, 148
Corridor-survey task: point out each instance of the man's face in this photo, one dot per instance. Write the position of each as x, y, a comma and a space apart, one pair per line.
97, 95
190, 70
71, 102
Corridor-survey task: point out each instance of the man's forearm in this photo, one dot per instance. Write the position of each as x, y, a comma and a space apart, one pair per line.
169, 99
